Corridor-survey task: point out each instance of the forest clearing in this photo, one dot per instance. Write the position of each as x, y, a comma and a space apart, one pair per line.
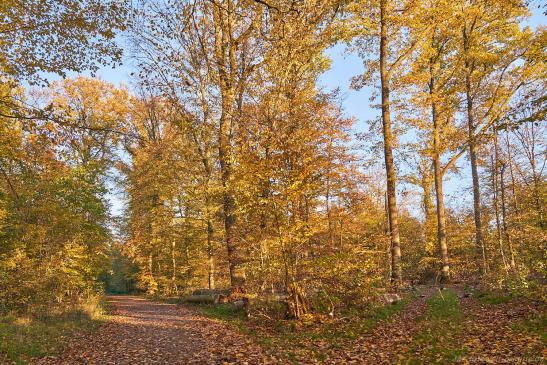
273, 182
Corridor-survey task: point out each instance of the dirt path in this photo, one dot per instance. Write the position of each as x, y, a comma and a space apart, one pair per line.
386, 342
490, 337
145, 332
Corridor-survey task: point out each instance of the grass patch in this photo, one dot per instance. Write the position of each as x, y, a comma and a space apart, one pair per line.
168, 300
383, 313
493, 298
355, 324
24, 338
536, 325
490, 297
223, 312
441, 324
360, 322
295, 339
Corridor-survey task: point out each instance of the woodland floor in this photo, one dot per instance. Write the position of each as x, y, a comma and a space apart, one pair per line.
428, 329
146, 332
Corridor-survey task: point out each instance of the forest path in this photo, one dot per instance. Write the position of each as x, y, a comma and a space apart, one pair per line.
386, 342
146, 332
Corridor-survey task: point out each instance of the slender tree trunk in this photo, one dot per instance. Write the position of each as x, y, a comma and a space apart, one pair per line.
536, 189
511, 173
439, 195
210, 248
495, 188
225, 57
205, 155
479, 240
387, 230
504, 216
328, 194
329, 213
265, 267
495, 204
174, 273
152, 281
396, 273
428, 208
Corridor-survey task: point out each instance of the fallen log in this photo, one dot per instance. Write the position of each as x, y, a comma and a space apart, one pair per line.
390, 298
202, 299
210, 292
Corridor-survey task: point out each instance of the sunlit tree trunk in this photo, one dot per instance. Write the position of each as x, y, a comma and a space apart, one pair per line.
174, 266
427, 183
328, 208
396, 273
438, 177
210, 248
495, 203
479, 240
225, 54
504, 216
512, 175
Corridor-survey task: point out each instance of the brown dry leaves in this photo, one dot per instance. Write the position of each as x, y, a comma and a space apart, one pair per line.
491, 334
145, 332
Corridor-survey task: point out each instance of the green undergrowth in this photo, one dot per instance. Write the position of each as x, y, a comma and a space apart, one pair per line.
223, 312
168, 300
536, 325
309, 336
25, 337
362, 322
436, 340
493, 298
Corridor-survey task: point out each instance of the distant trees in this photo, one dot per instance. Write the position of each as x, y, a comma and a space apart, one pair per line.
55, 149
55, 219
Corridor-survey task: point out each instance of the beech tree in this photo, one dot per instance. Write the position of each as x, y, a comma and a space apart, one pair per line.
56, 36
55, 221
432, 83
491, 44
389, 35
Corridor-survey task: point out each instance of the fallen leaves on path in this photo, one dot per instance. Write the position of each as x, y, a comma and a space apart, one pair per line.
490, 334
386, 343
145, 332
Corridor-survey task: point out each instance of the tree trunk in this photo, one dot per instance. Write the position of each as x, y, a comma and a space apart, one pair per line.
536, 189
504, 217
329, 213
511, 173
296, 301
210, 249
439, 195
396, 274
174, 273
152, 285
428, 208
225, 54
386, 232
495, 203
481, 251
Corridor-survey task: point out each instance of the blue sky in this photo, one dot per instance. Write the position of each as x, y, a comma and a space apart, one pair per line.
355, 104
